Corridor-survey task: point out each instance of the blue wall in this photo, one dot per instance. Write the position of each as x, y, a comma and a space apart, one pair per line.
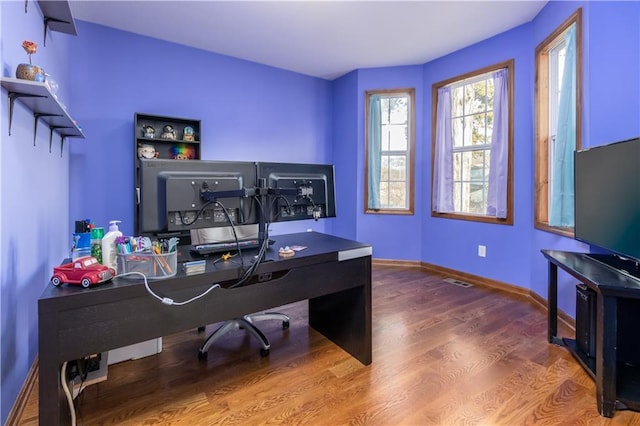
249, 112
34, 207
256, 112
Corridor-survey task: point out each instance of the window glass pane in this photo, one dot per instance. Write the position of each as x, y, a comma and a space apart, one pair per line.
384, 111
478, 129
477, 97
397, 197
477, 193
467, 133
457, 99
457, 131
397, 138
489, 128
457, 166
487, 161
466, 166
384, 194
397, 168
457, 196
477, 166
384, 168
398, 110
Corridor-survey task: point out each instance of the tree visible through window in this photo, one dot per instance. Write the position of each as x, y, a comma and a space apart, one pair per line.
472, 145
389, 151
558, 125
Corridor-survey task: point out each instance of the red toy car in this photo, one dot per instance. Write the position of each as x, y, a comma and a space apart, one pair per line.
85, 271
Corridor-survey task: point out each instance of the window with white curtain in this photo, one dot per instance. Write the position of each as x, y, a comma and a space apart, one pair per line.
389, 151
558, 124
473, 145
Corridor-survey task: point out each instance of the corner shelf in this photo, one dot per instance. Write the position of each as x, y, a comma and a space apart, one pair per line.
45, 106
57, 17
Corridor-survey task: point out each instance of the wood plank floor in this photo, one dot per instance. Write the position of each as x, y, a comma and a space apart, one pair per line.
442, 355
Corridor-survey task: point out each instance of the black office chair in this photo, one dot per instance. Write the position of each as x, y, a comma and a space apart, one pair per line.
245, 322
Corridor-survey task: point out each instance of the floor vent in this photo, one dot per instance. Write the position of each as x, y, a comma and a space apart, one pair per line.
458, 282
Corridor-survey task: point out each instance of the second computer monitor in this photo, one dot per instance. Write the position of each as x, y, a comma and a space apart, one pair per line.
298, 191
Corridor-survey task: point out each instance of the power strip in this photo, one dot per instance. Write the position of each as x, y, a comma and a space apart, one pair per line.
94, 368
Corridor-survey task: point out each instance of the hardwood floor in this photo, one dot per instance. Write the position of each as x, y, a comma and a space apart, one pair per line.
442, 355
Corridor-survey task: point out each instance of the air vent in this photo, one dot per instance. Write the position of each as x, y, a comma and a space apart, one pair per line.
458, 282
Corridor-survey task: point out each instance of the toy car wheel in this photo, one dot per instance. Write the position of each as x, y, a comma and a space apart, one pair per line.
86, 282
56, 281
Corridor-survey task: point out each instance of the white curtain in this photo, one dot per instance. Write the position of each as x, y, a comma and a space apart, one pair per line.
499, 159
442, 201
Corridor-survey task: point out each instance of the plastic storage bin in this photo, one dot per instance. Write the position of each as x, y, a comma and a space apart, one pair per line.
154, 266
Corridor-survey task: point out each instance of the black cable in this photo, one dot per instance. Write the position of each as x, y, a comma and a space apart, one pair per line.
202, 209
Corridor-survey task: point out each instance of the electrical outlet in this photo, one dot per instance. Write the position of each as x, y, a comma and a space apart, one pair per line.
482, 251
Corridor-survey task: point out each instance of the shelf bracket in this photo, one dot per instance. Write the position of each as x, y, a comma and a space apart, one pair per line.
62, 143
48, 19
36, 116
53, 129
12, 100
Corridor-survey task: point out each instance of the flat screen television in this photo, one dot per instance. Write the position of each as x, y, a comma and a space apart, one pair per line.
299, 191
170, 197
607, 197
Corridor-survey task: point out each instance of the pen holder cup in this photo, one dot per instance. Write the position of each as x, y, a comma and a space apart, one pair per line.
153, 266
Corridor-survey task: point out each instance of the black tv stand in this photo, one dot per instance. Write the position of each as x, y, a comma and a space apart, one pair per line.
620, 264
617, 383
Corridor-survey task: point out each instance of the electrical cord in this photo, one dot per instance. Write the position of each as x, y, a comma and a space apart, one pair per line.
202, 209
65, 388
167, 300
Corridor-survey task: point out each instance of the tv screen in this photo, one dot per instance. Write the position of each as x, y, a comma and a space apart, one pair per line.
302, 191
170, 195
607, 197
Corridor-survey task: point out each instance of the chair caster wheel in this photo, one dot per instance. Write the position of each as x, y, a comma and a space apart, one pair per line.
202, 355
264, 352
285, 325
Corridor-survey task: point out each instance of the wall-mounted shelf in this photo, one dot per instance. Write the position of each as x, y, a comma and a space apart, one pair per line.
57, 17
45, 106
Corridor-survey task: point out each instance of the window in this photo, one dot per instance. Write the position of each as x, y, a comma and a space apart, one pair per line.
389, 151
558, 125
473, 145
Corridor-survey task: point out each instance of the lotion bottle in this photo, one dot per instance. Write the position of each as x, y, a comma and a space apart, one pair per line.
109, 251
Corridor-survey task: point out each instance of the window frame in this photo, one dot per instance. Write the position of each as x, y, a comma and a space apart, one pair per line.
509, 66
541, 106
409, 210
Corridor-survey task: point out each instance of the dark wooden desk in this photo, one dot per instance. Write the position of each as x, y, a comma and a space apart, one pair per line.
617, 384
333, 273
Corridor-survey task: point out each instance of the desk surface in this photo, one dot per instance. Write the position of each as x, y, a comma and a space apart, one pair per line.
319, 247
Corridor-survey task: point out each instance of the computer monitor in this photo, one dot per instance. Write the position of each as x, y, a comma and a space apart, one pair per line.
175, 196
298, 191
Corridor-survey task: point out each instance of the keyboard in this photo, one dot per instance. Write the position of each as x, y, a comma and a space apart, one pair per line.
223, 246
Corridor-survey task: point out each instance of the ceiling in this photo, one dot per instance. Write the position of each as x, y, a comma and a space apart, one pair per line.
323, 39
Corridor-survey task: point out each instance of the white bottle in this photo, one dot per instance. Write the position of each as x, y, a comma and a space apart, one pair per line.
109, 251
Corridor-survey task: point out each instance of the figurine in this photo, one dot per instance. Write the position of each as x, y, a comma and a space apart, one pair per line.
182, 152
147, 151
188, 134
168, 132
148, 131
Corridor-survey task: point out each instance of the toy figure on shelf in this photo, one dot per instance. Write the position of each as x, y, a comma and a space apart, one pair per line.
147, 151
183, 152
148, 131
168, 132
189, 134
